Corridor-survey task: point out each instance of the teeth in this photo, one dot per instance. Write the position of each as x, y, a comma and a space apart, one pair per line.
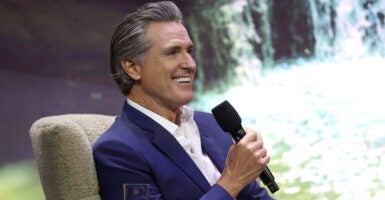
182, 79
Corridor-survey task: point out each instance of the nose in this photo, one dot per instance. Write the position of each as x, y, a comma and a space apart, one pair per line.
188, 62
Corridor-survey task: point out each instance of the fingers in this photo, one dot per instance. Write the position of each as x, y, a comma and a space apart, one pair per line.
245, 162
254, 146
258, 152
265, 160
251, 135
248, 130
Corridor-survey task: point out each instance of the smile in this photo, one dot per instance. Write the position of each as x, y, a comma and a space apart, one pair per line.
182, 79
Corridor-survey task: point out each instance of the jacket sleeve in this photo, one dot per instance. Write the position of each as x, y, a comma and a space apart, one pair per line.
114, 171
115, 166
217, 193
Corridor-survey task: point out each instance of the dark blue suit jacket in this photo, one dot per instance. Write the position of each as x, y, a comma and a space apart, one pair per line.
136, 149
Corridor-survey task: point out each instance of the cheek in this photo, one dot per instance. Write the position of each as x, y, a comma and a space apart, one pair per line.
155, 78
158, 71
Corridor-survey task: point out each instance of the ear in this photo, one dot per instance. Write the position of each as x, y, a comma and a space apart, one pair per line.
131, 68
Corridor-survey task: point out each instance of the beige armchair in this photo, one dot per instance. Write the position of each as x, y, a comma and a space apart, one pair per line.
62, 147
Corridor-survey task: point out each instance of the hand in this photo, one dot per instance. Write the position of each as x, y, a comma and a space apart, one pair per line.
245, 162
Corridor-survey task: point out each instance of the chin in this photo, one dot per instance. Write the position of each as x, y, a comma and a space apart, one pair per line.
187, 99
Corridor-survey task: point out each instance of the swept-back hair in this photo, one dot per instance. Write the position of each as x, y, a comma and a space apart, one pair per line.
129, 39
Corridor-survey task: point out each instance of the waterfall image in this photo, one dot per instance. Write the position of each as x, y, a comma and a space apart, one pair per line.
308, 75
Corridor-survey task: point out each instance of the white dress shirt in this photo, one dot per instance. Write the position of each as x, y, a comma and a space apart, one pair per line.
187, 134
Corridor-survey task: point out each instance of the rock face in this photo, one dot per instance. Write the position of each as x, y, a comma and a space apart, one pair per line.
234, 36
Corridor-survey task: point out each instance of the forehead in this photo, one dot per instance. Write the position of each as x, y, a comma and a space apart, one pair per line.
162, 33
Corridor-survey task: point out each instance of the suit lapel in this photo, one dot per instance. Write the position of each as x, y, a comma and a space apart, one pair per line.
210, 146
168, 145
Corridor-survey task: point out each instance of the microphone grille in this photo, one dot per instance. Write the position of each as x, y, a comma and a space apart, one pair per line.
226, 116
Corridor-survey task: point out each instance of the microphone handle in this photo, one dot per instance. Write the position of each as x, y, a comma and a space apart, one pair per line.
266, 176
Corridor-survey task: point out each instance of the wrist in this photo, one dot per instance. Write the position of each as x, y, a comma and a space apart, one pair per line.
232, 187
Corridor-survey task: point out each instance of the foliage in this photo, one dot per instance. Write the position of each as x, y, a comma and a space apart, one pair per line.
322, 123
20, 181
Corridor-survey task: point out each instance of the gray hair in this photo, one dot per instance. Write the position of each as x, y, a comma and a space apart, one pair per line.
129, 39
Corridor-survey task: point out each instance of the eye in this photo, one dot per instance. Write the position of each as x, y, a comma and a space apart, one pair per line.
190, 50
172, 51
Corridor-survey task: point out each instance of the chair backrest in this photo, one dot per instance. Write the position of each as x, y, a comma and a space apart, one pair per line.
62, 147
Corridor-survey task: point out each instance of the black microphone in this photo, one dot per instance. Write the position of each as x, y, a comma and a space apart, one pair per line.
229, 120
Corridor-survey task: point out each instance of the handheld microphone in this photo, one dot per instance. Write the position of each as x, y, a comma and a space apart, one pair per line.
229, 120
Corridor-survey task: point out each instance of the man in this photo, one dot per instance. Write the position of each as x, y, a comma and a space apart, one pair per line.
158, 143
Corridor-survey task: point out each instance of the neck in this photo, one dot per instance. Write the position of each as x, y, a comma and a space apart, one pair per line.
171, 114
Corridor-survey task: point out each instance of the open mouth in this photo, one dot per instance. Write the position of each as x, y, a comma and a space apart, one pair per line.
183, 79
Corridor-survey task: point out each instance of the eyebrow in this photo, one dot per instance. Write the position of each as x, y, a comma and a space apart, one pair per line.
177, 47
191, 46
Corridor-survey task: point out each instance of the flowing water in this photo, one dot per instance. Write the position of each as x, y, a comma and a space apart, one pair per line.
322, 118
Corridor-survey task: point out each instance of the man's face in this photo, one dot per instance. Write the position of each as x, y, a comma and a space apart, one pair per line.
167, 74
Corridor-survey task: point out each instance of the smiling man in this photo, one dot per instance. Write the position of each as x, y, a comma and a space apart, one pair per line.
164, 79
159, 148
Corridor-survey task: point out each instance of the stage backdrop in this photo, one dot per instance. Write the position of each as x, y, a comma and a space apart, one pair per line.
308, 74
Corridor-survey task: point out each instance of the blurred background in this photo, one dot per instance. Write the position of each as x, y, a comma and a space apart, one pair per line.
308, 74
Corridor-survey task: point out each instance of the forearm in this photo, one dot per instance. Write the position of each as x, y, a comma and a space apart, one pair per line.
217, 192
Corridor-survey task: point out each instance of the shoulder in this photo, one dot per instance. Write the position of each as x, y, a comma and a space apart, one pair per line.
206, 122
120, 136
204, 117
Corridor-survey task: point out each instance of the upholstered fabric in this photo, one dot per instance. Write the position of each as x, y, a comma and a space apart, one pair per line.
62, 146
